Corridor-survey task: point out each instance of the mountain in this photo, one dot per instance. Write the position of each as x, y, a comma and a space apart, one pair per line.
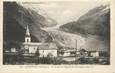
15, 20
94, 22
94, 26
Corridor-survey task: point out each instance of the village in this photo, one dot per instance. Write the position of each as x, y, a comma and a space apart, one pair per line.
50, 53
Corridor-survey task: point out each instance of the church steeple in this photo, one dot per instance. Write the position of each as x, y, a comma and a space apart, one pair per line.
27, 35
27, 31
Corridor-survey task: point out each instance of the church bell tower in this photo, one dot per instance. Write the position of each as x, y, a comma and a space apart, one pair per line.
27, 35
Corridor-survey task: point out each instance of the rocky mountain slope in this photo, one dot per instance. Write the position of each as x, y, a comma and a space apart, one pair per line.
16, 18
94, 22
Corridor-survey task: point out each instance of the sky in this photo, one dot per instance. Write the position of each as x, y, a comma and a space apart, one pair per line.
63, 11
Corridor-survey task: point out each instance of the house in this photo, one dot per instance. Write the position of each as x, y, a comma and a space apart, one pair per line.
44, 49
48, 49
13, 50
93, 52
67, 51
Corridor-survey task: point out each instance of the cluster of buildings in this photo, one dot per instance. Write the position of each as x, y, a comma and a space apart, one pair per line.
46, 49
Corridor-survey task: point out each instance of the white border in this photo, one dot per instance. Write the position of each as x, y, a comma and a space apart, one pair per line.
60, 68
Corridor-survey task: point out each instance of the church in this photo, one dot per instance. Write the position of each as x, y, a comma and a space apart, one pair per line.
44, 49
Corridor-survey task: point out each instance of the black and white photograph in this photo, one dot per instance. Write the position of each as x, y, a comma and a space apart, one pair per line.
56, 33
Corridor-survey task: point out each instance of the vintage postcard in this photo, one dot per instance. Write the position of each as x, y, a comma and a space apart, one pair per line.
61, 35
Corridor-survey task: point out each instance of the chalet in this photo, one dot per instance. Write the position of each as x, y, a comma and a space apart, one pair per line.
67, 51
91, 52
13, 50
